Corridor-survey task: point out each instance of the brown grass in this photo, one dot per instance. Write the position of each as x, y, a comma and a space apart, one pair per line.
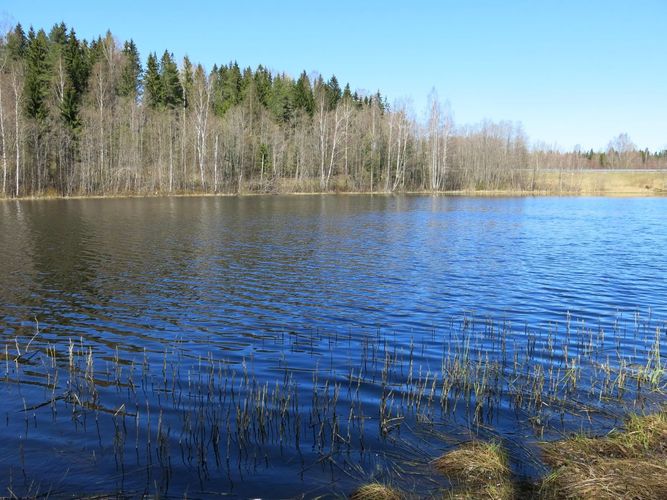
478, 469
628, 464
376, 491
603, 182
609, 478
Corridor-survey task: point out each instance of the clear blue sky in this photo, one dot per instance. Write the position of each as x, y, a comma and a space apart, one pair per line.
573, 72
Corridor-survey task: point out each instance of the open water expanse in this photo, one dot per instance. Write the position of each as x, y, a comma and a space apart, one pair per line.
275, 346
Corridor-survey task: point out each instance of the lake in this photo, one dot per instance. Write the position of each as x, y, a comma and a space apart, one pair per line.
285, 345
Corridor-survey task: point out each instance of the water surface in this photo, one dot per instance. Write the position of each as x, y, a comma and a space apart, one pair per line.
190, 296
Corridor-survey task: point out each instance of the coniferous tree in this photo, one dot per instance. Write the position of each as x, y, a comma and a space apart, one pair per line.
227, 90
247, 87
332, 91
217, 89
280, 98
17, 43
152, 84
129, 83
171, 90
303, 94
96, 50
347, 93
58, 34
263, 82
37, 76
187, 81
77, 72
232, 86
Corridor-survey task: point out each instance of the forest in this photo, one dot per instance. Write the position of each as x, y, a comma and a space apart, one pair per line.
82, 117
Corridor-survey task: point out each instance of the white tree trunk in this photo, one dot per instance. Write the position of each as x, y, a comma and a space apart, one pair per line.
3, 141
17, 142
215, 166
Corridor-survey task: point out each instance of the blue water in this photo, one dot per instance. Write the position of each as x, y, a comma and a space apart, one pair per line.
301, 284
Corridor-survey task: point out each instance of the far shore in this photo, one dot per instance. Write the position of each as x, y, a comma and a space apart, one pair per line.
631, 183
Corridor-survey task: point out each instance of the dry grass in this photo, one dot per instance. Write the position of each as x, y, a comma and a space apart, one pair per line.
376, 491
476, 462
478, 469
503, 490
604, 182
628, 464
608, 478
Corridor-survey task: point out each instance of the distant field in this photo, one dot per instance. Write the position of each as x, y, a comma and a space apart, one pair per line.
608, 182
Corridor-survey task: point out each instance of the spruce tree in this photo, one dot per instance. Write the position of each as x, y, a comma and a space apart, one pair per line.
17, 43
303, 94
58, 34
232, 86
280, 101
263, 82
332, 90
217, 89
77, 73
247, 86
129, 83
171, 91
187, 81
227, 88
152, 85
38, 75
347, 94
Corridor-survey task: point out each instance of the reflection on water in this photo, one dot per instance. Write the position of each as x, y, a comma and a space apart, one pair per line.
312, 341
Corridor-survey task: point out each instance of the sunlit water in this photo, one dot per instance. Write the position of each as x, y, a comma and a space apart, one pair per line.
139, 332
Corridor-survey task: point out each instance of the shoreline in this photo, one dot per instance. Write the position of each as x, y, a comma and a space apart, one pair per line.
482, 193
600, 183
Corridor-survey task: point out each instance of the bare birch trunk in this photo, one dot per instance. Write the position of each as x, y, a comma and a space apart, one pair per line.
215, 165
3, 140
17, 142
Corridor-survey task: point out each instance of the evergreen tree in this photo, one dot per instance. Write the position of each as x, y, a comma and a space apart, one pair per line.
152, 84
280, 98
187, 81
303, 94
96, 51
171, 91
227, 88
263, 82
382, 103
347, 94
17, 43
247, 87
58, 34
77, 73
217, 89
129, 84
232, 88
332, 91
38, 75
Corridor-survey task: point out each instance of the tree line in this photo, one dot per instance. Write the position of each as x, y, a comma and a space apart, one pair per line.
82, 117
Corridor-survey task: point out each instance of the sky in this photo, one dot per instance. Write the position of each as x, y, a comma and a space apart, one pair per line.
572, 72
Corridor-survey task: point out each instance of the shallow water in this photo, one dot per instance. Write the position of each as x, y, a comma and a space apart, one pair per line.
348, 307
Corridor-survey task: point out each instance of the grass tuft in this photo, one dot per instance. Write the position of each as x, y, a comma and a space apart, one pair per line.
478, 469
376, 491
608, 478
628, 464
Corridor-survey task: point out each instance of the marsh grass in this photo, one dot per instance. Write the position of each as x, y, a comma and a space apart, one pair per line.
338, 398
477, 470
628, 463
376, 491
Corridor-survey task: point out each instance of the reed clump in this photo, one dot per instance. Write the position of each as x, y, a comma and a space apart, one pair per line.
627, 464
376, 491
478, 470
